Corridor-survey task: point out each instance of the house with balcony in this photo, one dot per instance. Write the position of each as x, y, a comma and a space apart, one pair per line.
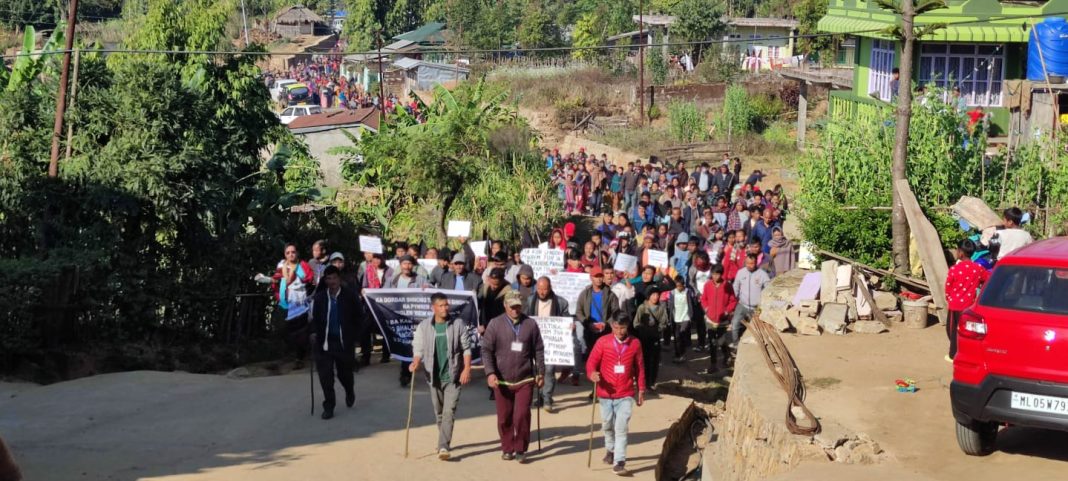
982, 50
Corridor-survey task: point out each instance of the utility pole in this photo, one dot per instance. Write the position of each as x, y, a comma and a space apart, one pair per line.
641, 62
73, 102
244, 21
61, 97
900, 223
381, 82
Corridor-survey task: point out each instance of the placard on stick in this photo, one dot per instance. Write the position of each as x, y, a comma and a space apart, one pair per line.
658, 259
371, 244
543, 260
459, 228
558, 341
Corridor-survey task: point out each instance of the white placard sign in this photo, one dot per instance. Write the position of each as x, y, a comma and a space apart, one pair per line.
543, 245
479, 248
626, 263
543, 260
558, 339
393, 264
371, 244
569, 285
459, 228
428, 264
658, 259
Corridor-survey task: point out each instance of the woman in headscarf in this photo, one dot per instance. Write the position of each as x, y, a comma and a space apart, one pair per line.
557, 240
782, 252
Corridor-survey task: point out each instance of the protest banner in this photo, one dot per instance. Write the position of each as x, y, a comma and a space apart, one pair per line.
393, 264
558, 340
459, 228
543, 260
428, 265
399, 311
569, 285
658, 259
371, 244
626, 263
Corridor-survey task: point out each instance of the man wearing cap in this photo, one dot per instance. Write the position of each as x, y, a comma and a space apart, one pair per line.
459, 278
335, 315
545, 303
491, 296
595, 306
349, 279
445, 343
524, 284
407, 278
513, 355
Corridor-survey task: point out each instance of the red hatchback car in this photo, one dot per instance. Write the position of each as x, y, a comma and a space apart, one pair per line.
1012, 350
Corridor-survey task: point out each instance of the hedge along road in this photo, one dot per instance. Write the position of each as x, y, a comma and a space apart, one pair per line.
170, 426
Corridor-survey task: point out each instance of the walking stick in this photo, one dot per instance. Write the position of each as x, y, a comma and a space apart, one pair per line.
408, 427
538, 415
593, 409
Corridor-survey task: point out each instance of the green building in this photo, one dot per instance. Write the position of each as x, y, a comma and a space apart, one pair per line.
982, 49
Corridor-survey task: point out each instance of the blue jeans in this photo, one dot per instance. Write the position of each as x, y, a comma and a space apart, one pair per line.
628, 200
742, 312
615, 414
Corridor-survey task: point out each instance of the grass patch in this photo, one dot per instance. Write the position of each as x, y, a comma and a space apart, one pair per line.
643, 141
822, 382
589, 87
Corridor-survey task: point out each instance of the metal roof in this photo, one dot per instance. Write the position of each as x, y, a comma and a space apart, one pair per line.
406, 63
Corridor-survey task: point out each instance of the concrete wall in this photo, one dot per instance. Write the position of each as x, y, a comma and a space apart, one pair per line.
319, 143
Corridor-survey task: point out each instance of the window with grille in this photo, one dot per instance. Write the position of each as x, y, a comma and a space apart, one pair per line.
882, 66
978, 69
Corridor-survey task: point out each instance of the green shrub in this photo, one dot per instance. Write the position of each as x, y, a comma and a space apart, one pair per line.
766, 109
737, 115
778, 134
687, 124
654, 112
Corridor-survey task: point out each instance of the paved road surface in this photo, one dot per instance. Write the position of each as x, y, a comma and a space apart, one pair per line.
179, 426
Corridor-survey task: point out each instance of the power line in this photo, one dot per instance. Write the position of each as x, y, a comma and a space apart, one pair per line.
444, 50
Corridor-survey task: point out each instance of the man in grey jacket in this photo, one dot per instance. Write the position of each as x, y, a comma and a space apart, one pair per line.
445, 343
749, 286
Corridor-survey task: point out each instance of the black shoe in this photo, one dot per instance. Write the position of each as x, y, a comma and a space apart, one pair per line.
350, 399
608, 458
537, 403
507, 456
405, 382
620, 469
328, 413
384, 360
521, 457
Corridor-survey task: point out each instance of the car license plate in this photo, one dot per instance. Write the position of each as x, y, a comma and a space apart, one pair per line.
1042, 404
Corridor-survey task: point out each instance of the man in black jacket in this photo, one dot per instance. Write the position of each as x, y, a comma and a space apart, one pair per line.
545, 303
335, 321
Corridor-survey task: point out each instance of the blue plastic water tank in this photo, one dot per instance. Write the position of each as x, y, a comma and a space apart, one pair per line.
1052, 34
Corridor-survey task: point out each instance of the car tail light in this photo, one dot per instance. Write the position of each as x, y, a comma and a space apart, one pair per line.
972, 325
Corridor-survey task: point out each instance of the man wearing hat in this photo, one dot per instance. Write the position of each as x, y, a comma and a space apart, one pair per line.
595, 306
491, 296
513, 356
349, 279
407, 278
459, 278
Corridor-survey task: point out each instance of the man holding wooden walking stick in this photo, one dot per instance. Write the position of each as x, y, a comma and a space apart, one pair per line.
513, 355
615, 366
445, 343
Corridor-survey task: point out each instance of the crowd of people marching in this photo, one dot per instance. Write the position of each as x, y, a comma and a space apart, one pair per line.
722, 239
331, 89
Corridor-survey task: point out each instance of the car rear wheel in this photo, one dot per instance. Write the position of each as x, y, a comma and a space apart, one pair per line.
977, 438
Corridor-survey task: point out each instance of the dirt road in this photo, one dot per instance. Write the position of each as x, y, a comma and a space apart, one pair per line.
851, 382
179, 426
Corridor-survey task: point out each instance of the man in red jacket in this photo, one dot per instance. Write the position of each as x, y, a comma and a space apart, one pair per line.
718, 300
615, 365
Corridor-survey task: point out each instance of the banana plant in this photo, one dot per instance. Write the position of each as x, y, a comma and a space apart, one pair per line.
28, 67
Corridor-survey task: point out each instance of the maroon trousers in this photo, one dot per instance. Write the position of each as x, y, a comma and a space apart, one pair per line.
513, 416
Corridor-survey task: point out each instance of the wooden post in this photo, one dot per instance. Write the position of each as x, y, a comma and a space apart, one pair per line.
73, 101
61, 97
802, 113
641, 63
